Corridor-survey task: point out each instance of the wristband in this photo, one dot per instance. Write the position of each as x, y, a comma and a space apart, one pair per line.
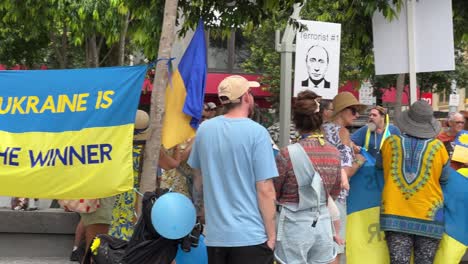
358, 162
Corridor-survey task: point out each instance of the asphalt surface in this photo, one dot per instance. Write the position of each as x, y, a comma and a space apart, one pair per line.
24, 260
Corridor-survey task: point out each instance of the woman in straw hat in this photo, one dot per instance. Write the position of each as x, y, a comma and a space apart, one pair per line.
415, 164
346, 109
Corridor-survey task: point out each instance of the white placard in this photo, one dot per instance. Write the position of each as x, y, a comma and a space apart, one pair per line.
318, 58
433, 29
454, 100
366, 94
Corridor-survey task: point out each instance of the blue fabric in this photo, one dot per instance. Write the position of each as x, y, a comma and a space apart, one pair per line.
359, 138
233, 154
193, 70
365, 190
47, 86
455, 203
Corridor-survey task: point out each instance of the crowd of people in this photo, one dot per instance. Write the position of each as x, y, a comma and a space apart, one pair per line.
293, 209
260, 206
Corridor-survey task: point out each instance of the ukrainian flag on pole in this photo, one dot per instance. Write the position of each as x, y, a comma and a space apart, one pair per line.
365, 243
185, 93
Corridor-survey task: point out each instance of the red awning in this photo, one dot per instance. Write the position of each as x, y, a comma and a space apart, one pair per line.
389, 95
213, 80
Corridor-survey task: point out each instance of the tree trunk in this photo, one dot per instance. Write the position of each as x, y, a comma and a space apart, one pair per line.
87, 54
93, 50
123, 36
400, 85
153, 145
62, 49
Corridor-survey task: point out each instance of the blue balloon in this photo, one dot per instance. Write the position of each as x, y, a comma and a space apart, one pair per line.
173, 215
197, 255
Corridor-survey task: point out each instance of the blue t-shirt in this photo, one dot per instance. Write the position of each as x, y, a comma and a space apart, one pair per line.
233, 154
359, 138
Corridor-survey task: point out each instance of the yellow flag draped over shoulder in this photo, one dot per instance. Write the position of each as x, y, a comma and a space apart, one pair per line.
454, 242
68, 134
365, 242
185, 93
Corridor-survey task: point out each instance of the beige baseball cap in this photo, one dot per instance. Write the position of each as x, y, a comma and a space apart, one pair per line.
233, 87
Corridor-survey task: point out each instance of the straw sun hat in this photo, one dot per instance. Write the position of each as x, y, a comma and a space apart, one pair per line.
141, 131
344, 100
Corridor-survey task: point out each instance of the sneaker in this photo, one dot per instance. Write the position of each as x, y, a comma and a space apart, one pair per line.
78, 254
74, 255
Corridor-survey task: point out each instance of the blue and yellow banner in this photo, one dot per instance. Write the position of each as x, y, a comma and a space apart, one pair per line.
67, 134
365, 242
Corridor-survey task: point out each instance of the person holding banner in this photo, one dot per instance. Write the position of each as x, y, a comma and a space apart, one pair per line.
309, 174
371, 136
346, 109
415, 165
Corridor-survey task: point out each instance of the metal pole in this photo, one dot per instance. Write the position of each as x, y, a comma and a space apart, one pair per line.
453, 106
286, 48
410, 6
285, 98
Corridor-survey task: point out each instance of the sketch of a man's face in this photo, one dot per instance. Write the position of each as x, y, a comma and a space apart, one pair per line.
317, 62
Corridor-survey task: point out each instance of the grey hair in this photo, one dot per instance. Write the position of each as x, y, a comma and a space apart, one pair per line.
454, 115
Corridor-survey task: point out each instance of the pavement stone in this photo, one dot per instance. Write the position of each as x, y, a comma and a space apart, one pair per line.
24, 260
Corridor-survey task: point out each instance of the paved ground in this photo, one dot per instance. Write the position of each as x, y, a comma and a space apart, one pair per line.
35, 261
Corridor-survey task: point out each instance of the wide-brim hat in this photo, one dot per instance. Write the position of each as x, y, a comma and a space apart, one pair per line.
419, 121
141, 130
344, 100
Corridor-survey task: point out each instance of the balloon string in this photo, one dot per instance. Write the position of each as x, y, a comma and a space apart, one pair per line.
139, 193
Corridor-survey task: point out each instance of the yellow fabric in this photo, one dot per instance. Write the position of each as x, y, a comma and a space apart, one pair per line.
463, 171
365, 243
450, 251
106, 169
425, 193
176, 124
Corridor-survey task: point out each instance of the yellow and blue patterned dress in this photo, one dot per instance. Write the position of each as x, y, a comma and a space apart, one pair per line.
412, 199
178, 179
123, 214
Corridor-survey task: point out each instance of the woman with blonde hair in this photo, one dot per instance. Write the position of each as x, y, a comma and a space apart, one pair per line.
346, 109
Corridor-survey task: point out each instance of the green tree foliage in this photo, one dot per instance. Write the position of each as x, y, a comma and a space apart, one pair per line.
357, 61
56, 30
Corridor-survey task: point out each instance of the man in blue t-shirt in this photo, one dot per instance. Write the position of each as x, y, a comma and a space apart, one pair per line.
370, 136
234, 166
